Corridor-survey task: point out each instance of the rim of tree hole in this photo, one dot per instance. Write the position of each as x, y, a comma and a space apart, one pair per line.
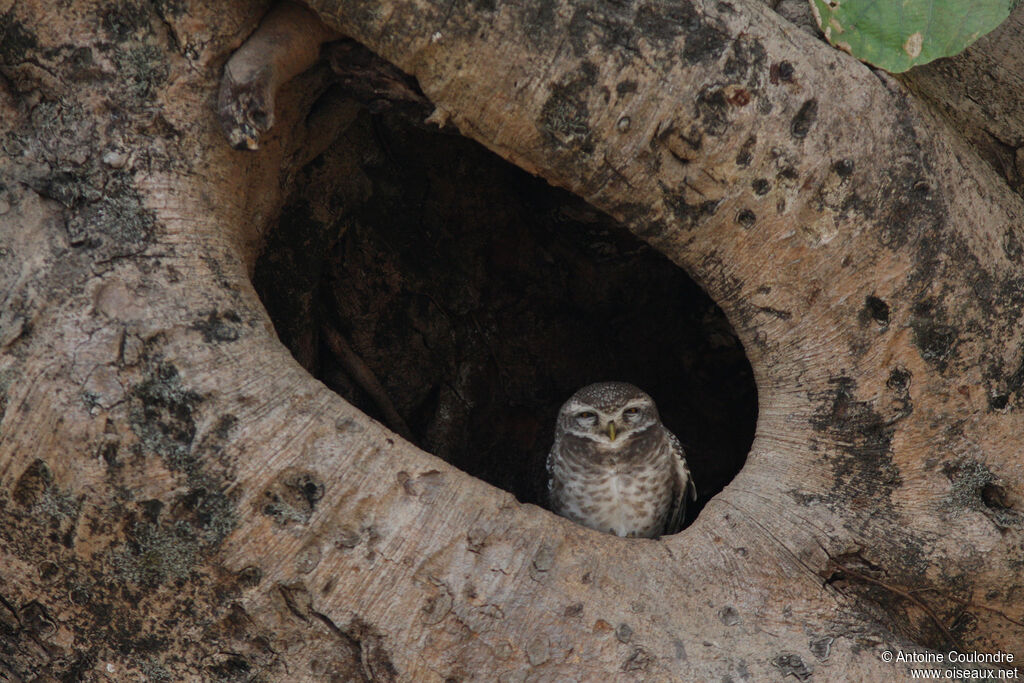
460, 301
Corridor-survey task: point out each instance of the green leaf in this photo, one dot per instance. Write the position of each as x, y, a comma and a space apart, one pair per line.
898, 34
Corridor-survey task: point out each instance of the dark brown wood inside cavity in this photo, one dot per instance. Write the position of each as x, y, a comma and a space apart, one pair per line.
480, 298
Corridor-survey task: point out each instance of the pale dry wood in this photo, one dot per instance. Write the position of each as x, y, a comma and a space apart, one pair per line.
192, 483
982, 92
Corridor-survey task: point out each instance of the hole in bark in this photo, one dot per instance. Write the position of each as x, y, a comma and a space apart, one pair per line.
994, 497
456, 298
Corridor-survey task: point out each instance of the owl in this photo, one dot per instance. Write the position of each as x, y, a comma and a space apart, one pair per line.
614, 467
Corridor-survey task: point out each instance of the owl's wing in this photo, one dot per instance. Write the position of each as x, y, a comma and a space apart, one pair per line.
550, 493
683, 487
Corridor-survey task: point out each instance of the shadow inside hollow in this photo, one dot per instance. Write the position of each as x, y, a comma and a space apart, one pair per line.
470, 299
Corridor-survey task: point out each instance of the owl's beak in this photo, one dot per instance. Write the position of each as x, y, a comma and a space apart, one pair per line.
611, 431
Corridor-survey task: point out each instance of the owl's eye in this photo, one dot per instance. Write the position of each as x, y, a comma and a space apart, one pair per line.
631, 413
587, 417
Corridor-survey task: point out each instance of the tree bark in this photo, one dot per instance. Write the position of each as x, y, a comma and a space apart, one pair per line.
181, 500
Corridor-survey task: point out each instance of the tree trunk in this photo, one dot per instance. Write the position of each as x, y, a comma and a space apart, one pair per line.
182, 500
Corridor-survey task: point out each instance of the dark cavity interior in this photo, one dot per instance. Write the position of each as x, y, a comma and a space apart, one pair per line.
460, 301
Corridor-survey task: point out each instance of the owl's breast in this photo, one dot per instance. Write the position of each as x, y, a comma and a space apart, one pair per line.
640, 500
625, 501
625, 490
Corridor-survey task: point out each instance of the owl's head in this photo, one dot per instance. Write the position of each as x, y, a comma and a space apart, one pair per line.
610, 413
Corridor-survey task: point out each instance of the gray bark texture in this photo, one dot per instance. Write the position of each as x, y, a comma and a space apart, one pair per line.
181, 500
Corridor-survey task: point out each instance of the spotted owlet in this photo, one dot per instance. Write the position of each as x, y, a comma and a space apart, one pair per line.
614, 467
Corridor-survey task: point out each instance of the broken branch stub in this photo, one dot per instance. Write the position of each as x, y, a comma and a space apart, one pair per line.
286, 44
